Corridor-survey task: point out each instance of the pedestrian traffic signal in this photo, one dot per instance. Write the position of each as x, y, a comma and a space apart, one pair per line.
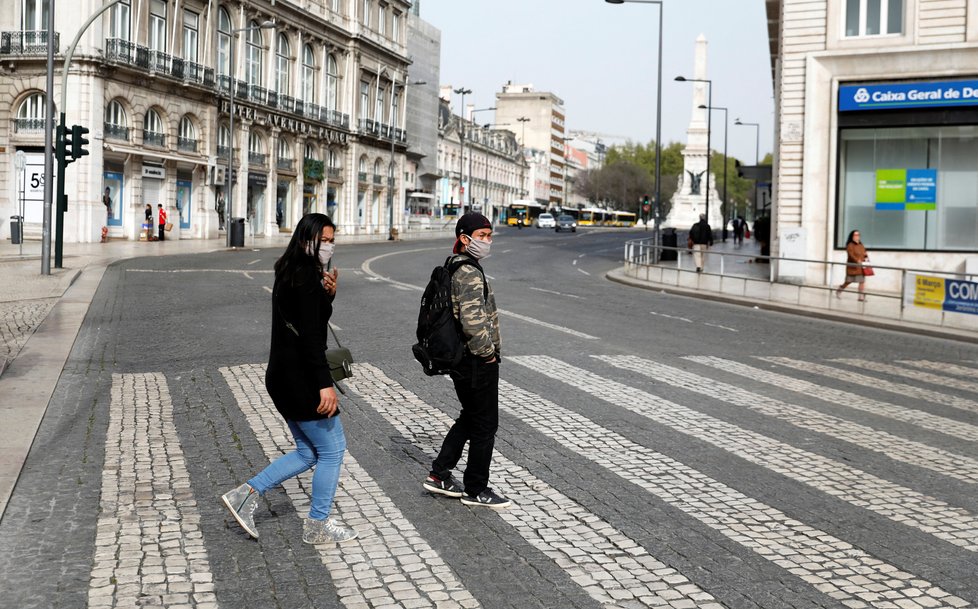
78, 141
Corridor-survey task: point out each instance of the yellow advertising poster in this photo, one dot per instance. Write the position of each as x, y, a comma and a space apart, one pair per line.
928, 292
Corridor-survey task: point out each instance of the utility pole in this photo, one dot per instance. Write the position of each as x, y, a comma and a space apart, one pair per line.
48, 148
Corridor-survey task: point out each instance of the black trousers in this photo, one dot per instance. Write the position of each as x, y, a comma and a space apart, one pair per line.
477, 387
162, 231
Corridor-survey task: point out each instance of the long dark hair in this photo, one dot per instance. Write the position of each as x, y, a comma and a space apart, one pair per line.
297, 255
850, 239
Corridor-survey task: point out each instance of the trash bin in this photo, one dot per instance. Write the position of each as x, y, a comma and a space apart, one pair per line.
237, 232
16, 229
669, 239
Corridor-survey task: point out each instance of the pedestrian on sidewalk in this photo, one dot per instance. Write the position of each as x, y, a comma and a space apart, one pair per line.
739, 224
162, 221
700, 238
856, 256
476, 378
148, 223
299, 382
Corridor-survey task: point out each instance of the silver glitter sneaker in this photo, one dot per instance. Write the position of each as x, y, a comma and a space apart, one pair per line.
242, 503
326, 531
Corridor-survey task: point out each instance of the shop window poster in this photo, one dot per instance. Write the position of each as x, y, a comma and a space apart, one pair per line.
906, 189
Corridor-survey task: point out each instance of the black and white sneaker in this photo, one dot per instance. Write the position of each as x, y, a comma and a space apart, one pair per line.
487, 498
449, 487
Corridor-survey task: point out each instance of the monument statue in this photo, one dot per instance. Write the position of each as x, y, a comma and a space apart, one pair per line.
694, 181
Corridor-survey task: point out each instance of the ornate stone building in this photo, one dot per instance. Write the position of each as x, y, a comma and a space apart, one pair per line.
318, 97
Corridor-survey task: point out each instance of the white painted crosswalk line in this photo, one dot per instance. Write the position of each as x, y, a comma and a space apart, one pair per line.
390, 553
927, 395
849, 484
847, 399
612, 568
942, 367
149, 549
912, 452
833, 566
916, 375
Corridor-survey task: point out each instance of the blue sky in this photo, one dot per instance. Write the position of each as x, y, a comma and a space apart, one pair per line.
601, 60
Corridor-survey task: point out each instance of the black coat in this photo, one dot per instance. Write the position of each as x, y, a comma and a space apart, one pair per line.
297, 367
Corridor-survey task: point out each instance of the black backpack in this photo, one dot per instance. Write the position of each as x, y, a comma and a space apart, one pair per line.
440, 346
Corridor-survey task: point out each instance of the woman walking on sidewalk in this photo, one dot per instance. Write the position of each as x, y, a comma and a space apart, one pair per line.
299, 383
855, 257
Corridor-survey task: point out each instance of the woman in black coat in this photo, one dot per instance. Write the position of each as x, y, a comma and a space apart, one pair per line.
300, 385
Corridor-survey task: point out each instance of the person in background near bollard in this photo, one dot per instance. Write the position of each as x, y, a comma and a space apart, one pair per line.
162, 218
762, 232
700, 238
855, 269
149, 222
738, 229
219, 208
476, 378
299, 382
107, 201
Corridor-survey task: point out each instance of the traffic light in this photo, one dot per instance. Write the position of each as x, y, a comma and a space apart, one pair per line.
60, 146
78, 141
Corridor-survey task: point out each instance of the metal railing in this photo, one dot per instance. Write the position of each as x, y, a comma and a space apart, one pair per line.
378, 179
29, 42
116, 132
29, 125
257, 158
186, 144
154, 139
334, 172
285, 164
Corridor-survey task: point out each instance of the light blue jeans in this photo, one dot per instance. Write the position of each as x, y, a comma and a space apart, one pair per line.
320, 443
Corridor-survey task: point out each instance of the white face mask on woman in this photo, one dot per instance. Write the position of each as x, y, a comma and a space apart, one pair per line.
325, 252
478, 248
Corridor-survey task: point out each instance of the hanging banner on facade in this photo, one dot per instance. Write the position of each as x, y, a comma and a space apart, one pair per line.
906, 189
940, 293
891, 96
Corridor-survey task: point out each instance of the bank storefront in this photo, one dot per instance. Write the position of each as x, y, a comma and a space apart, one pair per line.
908, 166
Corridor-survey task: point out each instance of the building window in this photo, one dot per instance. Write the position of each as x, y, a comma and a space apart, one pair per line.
364, 100
873, 17
310, 152
332, 82
396, 26
335, 5
153, 131
366, 13
35, 15
187, 141
224, 137
31, 114
284, 150
395, 109
119, 20
382, 20
191, 23
157, 25
253, 55
308, 75
256, 149
283, 59
334, 160
945, 157
116, 122
223, 42
379, 110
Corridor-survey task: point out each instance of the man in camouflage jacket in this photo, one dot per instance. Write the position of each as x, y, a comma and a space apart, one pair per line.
476, 378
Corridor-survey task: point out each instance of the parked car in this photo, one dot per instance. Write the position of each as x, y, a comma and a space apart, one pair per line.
566, 223
546, 220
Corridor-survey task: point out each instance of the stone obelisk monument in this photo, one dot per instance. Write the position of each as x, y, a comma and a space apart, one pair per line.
690, 198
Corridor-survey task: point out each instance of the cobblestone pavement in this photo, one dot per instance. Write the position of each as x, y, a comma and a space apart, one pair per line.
817, 466
18, 320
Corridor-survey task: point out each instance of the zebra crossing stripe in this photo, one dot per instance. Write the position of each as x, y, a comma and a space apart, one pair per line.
390, 554
915, 375
912, 452
849, 484
611, 568
833, 566
149, 549
926, 420
942, 367
928, 395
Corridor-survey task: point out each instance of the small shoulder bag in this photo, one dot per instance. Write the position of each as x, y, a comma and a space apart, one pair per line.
339, 358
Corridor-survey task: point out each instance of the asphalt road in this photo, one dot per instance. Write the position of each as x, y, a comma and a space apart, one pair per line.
662, 450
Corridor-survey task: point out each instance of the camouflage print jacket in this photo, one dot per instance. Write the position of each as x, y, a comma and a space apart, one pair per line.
477, 314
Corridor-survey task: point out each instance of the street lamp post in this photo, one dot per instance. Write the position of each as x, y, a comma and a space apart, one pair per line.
229, 208
461, 157
486, 202
658, 123
390, 177
523, 120
488, 126
709, 153
757, 150
724, 205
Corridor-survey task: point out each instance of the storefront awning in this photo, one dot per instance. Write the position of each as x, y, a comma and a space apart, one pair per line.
421, 195
150, 155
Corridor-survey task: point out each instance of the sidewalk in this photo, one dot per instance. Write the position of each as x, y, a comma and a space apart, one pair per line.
746, 282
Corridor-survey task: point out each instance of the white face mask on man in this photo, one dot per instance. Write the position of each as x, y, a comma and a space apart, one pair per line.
477, 248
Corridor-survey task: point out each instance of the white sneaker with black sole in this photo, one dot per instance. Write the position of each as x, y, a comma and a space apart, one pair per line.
487, 498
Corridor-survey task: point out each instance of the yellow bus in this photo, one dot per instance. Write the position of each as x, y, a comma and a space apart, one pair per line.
592, 216
624, 218
524, 211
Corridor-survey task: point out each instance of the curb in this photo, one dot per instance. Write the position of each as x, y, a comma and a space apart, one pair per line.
966, 336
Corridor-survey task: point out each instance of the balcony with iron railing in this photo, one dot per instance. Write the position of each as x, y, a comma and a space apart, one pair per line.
362, 176
29, 125
378, 179
116, 132
285, 164
257, 158
335, 173
186, 144
28, 43
151, 138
